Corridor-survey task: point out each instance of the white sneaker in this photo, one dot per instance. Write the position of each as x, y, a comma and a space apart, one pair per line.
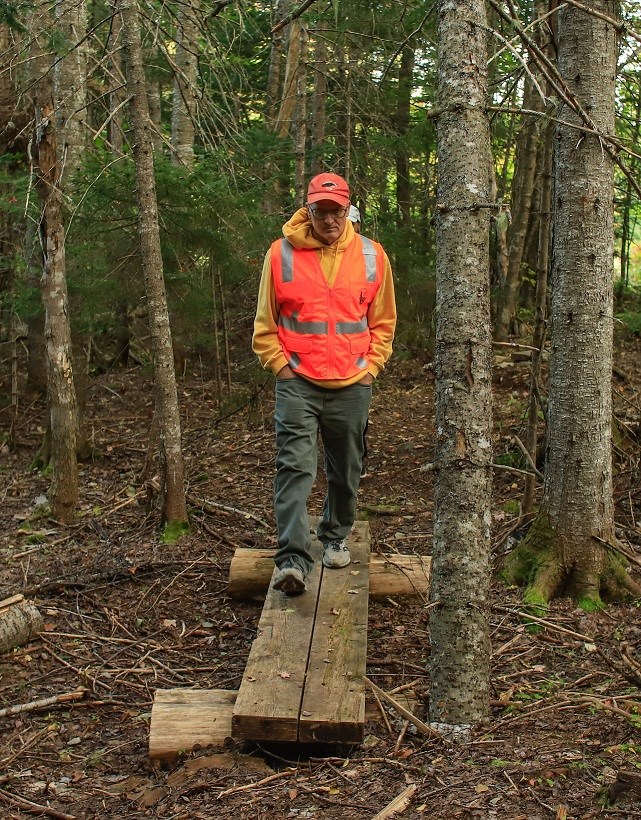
336, 555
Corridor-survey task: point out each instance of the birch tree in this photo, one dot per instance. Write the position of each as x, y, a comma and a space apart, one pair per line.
569, 545
459, 620
174, 504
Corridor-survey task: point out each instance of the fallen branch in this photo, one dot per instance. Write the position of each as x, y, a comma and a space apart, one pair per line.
255, 785
34, 808
43, 703
422, 727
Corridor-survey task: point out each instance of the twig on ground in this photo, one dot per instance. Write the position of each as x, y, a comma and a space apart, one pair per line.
422, 727
258, 783
42, 703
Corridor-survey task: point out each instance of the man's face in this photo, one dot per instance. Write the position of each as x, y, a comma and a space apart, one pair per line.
328, 220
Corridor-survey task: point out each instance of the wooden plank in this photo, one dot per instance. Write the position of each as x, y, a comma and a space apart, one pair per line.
269, 698
333, 706
390, 576
184, 718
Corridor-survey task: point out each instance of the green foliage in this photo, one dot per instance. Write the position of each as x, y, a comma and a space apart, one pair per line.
631, 321
9, 16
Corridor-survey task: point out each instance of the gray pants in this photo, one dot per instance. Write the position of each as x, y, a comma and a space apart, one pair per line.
302, 409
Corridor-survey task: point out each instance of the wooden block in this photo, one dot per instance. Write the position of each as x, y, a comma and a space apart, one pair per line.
184, 718
333, 706
390, 576
269, 698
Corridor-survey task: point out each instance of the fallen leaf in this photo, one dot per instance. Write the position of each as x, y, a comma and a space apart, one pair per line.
284, 675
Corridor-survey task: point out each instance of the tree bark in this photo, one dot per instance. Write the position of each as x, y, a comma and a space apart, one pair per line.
565, 544
320, 99
459, 621
185, 84
61, 394
300, 123
521, 207
174, 508
70, 87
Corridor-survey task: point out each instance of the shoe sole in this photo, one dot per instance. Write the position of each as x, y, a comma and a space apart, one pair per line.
333, 564
291, 586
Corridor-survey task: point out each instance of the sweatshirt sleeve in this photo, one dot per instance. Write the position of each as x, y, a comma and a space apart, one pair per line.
381, 320
265, 343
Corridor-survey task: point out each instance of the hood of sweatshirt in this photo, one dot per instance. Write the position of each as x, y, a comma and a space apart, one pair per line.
298, 232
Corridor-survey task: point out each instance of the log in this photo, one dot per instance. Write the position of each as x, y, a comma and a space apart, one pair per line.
20, 622
184, 718
390, 576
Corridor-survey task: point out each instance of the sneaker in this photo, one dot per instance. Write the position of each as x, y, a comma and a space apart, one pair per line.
290, 578
336, 555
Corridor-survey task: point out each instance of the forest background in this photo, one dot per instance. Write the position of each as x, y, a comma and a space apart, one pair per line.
245, 102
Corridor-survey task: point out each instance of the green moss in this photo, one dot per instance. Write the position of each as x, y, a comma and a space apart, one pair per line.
174, 530
589, 604
512, 507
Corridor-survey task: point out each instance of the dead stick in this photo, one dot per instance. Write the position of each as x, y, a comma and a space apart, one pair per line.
549, 624
382, 711
34, 808
422, 727
257, 783
42, 703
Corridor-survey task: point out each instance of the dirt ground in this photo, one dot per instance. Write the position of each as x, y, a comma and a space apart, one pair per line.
126, 614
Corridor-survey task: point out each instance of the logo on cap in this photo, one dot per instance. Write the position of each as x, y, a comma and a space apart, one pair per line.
329, 184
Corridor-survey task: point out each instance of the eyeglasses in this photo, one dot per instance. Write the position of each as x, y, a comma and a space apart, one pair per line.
335, 213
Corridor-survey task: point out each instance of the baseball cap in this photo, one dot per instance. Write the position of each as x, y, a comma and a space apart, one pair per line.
328, 186
354, 214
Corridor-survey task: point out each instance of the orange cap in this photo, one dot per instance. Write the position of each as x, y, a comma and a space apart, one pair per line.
328, 186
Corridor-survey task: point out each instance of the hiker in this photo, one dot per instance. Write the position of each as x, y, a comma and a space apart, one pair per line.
354, 216
324, 327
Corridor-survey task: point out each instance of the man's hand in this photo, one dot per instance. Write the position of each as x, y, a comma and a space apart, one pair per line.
367, 380
286, 373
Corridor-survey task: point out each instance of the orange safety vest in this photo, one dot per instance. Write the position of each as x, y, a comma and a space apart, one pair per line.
323, 331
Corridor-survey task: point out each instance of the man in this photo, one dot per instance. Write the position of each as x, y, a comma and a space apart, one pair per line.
324, 326
354, 216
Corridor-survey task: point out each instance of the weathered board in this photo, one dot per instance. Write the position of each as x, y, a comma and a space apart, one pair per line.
184, 718
303, 677
333, 708
269, 698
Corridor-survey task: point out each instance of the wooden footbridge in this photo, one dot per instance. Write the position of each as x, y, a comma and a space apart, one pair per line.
304, 677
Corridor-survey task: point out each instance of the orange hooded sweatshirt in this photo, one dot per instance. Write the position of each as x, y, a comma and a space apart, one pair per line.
381, 316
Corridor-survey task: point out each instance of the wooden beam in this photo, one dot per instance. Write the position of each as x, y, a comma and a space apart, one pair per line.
184, 718
333, 707
390, 576
270, 695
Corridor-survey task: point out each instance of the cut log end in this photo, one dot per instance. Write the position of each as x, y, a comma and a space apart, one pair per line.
20, 622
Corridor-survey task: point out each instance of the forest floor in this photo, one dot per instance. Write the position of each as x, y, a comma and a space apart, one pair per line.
126, 614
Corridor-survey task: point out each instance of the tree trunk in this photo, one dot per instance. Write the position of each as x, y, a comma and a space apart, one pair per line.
540, 310
61, 394
403, 191
521, 207
300, 123
459, 622
70, 87
275, 66
320, 100
576, 518
117, 95
174, 509
185, 84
